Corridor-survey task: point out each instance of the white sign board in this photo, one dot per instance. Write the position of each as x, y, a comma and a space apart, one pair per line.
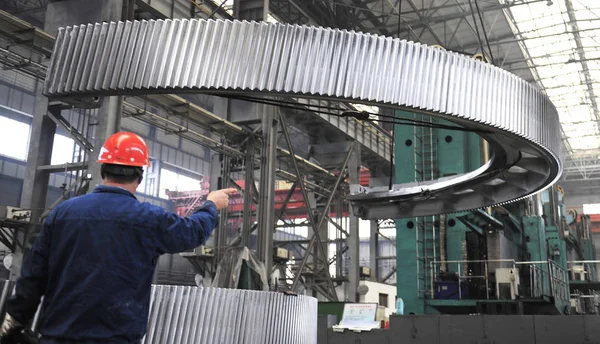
359, 316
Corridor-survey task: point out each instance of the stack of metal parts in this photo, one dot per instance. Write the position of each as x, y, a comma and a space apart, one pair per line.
193, 315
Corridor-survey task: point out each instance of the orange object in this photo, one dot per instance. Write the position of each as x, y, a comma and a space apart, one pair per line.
124, 148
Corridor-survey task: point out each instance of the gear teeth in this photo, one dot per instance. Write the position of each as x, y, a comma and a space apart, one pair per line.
197, 55
182, 314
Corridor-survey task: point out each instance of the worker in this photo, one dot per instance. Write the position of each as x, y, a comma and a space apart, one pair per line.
96, 254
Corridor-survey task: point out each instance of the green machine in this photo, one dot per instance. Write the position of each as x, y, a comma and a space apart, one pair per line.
511, 259
434, 153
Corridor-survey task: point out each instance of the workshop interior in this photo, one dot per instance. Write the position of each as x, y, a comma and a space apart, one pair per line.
407, 171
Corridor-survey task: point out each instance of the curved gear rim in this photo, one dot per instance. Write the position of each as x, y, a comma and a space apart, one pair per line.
161, 56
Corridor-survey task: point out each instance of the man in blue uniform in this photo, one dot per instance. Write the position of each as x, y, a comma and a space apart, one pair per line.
96, 254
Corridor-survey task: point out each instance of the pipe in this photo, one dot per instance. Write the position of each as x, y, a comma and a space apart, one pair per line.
443, 243
485, 157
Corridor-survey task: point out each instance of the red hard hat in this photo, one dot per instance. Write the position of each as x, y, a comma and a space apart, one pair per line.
124, 148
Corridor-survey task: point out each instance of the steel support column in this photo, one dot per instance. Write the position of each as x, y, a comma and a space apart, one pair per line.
35, 183
219, 179
266, 206
249, 172
35, 186
315, 225
374, 250
70, 12
316, 261
258, 10
354, 238
340, 245
109, 122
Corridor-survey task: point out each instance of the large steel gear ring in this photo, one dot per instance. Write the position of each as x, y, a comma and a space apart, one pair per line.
235, 57
191, 315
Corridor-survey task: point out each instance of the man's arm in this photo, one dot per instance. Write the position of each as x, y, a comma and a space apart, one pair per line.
31, 286
177, 234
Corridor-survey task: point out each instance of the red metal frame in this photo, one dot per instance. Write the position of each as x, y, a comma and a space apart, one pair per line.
186, 201
595, 223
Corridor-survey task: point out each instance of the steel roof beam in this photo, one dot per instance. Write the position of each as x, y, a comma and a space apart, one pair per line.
423, 22
433, 34
372, 18
582, 57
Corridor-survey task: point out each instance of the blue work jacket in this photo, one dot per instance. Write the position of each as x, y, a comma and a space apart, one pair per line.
94, 261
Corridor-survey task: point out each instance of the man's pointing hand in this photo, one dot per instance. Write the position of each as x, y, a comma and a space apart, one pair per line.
221, 197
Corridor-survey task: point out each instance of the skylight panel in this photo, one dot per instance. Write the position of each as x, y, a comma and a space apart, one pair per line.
563, 74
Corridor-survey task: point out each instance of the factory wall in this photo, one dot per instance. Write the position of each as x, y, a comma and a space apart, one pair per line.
11, 189
577, 202
387, 250
380, 293
173, 8
11, 186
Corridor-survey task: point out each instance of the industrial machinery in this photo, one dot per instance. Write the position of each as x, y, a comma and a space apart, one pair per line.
518, 121
479, 138
531, 259
508, 259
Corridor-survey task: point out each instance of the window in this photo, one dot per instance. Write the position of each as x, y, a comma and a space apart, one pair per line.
591, 208
142, 187
383, 300
62, 151
296, 229
14, 138
364, 228
171, 180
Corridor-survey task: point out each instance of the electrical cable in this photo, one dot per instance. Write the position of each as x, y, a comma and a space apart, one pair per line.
363, 116
399, 12
393, 144
487, 41
476, 27
391, 181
